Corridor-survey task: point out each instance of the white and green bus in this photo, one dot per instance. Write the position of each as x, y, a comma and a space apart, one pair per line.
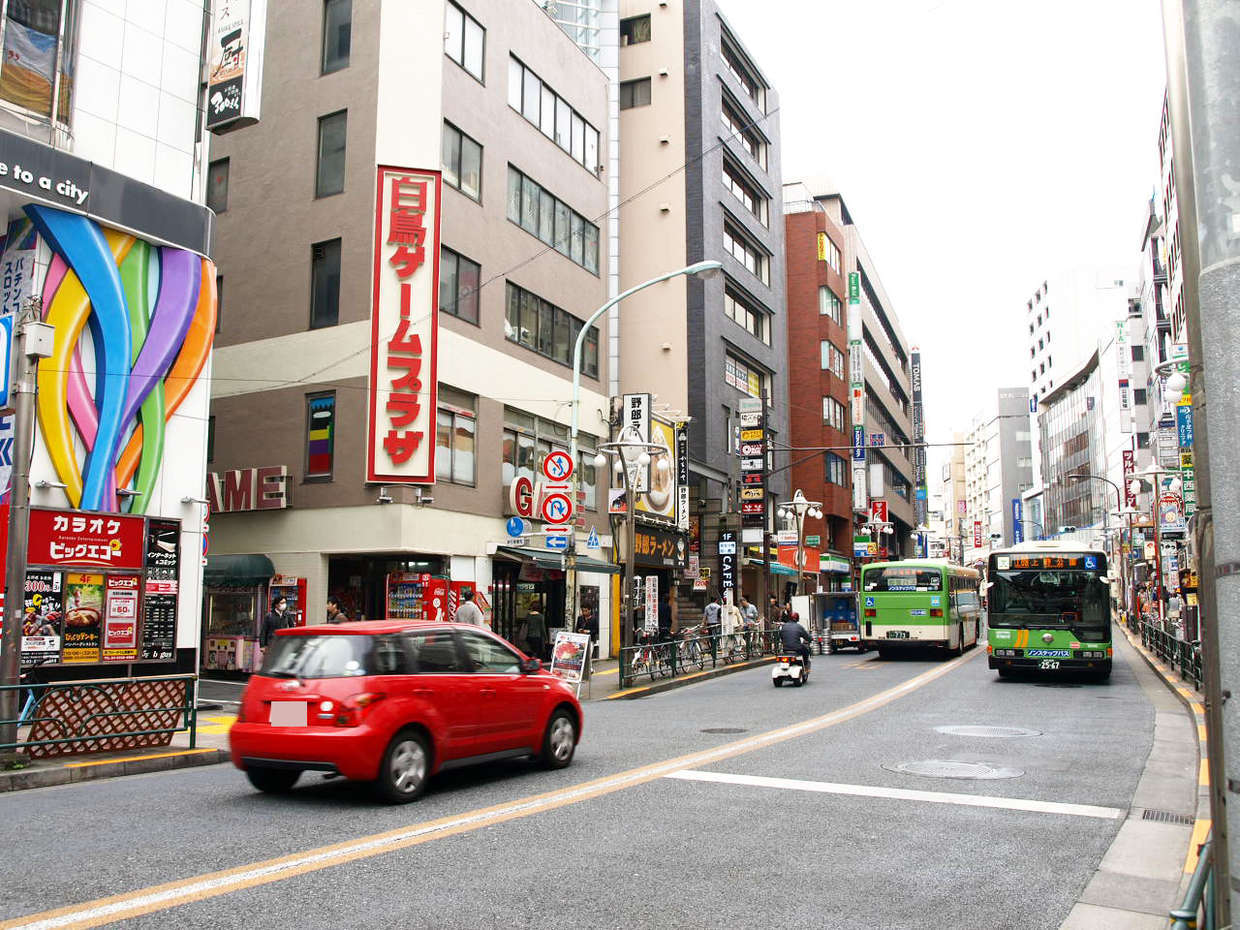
919, 603
1049, 609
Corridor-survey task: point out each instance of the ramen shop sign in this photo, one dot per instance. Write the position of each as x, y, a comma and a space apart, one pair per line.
404, 328
108, 540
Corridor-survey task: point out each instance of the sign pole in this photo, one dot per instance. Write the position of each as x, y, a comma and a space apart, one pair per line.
32, 347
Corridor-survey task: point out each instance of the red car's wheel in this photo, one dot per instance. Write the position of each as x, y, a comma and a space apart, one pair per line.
559, 740
405, 768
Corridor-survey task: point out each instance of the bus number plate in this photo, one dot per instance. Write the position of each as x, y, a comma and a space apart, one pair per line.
1049, 664
897, 634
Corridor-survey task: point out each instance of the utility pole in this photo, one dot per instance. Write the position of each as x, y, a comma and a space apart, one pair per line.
33, 341
1203, 85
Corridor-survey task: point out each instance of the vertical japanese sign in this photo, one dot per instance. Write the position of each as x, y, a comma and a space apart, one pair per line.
120, 625
977, 533
856, 391
1018, 520
83, 617
682, 476
235, 63
1123, 367
404, 333
16, 286
1188, 471
920, 493
159, 606
727, 562
651, 619
753, 461
42, 619
636, 417
1130, 467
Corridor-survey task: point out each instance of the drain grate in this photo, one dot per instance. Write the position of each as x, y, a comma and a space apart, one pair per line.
987, 732
725, 730
1168, 817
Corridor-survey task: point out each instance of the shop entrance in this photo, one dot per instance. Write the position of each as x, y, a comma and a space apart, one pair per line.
377, 587
521, 589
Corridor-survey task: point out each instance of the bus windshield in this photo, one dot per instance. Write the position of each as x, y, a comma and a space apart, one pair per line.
902, 578
1079, 600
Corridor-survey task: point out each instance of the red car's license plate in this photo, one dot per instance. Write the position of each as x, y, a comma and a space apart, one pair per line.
288, 713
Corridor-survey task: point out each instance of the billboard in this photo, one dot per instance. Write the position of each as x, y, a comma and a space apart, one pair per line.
658, 498
235, 64
404, 334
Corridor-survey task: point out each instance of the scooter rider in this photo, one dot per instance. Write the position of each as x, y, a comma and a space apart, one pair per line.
795, 638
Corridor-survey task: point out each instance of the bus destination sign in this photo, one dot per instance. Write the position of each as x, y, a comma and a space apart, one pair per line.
1089, 563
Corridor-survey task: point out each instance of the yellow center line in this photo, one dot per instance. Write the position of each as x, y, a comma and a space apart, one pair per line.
172, 894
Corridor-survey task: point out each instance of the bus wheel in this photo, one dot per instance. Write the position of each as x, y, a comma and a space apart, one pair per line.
960, 641
1005, 672
1103, 673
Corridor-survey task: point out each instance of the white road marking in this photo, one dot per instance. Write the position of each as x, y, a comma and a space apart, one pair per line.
904, 794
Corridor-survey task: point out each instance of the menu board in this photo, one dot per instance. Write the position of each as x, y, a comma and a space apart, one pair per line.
42, 618
120, 625
83, 617
159, 608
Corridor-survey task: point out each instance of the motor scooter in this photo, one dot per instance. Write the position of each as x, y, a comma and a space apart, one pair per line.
789, 666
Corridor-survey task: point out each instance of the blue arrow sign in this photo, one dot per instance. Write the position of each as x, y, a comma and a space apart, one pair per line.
516, 526
557, 542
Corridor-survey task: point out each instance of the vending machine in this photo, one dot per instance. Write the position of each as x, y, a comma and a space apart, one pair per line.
293, 590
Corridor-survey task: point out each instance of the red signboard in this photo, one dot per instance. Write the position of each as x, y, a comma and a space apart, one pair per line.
977, 533
878, 510
788, 557
1130, 466
404, 336
106, 540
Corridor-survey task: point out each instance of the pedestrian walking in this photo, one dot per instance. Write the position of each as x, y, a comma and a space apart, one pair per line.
665, 617
274, 619
334, 613
469, 612
535, 633
712, 615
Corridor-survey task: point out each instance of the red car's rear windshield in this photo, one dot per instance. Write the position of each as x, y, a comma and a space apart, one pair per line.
333, 656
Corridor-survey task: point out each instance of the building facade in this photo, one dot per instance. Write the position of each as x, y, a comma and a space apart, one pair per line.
999, 470
105, 234
513, 115
700, 155
954, 486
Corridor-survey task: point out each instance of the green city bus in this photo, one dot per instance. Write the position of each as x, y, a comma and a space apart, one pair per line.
919, 603
1049, 609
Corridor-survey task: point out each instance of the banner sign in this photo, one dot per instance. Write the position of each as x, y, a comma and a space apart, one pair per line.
235, 64
404, 335
1184, 425
682, 477
635, 416
858, 443
1018, 520
727, 561
1130, 467
753, 467
977, 533
651, 619
920, 504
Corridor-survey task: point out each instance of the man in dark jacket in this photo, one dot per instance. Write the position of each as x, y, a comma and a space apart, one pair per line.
274, 620
795, 638
665, 617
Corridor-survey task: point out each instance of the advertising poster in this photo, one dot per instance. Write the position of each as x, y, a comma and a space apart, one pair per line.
568, 655
159, 606
83, 624
235, 63
659, 498
120, 623
41, 622
651, 624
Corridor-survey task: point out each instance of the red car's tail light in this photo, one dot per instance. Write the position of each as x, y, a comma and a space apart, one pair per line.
353, 709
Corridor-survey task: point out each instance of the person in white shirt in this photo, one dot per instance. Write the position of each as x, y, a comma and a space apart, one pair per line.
469, 612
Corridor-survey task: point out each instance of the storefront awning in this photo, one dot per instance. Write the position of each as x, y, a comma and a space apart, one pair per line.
237, 570
545, 558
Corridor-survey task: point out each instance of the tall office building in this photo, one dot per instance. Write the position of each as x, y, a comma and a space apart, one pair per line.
497, 98
700, 153
999, 470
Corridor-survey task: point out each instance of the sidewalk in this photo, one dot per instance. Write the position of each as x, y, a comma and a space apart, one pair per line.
1146, 871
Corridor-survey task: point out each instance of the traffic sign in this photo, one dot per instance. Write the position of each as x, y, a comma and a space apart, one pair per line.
592, 540
558, 465
557, 508
557, 542
515, 526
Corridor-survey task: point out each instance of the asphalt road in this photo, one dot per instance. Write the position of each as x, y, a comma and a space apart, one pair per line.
840, 838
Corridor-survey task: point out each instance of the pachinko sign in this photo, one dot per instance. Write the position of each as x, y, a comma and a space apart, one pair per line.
104, 403
404, 328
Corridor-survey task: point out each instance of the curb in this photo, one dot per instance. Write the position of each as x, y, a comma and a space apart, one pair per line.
67, 773
630, 694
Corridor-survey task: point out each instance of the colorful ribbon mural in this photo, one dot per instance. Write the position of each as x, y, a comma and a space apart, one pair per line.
134, 326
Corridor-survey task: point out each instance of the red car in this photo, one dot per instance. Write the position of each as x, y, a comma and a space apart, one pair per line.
394, 702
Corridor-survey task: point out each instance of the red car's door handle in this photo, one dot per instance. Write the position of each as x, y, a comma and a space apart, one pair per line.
487, 692
422, 692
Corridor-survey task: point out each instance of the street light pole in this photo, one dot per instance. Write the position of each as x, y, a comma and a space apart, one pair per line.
702, 269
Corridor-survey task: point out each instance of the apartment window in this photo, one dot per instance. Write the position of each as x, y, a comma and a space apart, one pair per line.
459, 279
546, 329
320, 435
325, 284
1139, 396
210, 439
745, 192
37, 35
455, 431
530, 96
635, 29
1143, 440
837, 470
741, 313
732, 60
219, 300
833, 413
329, 177
739, 128
526, 442
829, 304
337, 26
462, 162
1138, 353
217, 185
464, 39
634, 93
830, 252
832, 359
541, 214
745, 377
745, 252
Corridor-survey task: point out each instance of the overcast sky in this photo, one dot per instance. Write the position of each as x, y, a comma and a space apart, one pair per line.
981, 146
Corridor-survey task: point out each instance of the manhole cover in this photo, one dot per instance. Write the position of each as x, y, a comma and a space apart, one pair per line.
988, 732
725, 730
939, 768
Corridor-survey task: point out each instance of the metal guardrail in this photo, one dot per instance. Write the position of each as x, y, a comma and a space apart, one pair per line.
97, 725
691, 652
1185, 656
1196, 911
